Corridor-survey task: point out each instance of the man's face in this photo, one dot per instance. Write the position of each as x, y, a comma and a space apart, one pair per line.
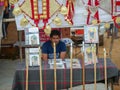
55, 39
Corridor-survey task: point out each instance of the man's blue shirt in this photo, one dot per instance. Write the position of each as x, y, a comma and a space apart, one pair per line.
48, 49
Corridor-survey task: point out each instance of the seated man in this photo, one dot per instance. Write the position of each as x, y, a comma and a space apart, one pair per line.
48, 49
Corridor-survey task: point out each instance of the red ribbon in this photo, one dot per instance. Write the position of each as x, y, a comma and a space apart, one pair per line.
45, 21
89, 3
36, 21
96, 16
96, 3
88, 17
70, 6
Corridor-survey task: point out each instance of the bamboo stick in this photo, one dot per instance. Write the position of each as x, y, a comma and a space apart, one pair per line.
93, 51
105, 69
40, 68
83, 66
71, 60
26, 88
55, 79
20, 46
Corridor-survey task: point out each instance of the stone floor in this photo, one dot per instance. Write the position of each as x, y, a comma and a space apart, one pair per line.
7, 70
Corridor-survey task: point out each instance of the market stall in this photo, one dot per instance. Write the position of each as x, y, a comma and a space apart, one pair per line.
83, 18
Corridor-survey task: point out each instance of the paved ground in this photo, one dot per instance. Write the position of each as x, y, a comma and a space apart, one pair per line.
7, 70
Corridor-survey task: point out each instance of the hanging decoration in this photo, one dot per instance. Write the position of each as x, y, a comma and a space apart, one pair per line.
93, 10
47, 30
55, 13
70, 13
64, 10
35, 13
13, 1
17, 11
116, 20
94, 22
117, 7
57, 21
45, 12
107, 25
24, 22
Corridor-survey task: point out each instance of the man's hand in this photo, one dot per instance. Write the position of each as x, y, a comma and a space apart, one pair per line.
44, 57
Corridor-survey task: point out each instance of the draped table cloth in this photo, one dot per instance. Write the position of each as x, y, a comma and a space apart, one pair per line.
63, 76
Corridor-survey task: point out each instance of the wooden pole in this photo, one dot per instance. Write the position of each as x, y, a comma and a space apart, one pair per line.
105, 69
94, 57
40, 67
26, 70
111, 43
71, 61
55, 79
20, 46
83, 66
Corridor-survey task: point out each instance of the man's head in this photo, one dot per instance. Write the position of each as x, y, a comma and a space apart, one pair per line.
55, 36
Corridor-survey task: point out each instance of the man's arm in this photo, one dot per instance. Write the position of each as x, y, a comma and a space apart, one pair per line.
44, 56
63, 51
44, 52
62, 55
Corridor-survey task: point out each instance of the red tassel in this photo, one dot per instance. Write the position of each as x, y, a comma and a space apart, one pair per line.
97, 13
97, 16
96, 2
67, 3
70, 14
88, 17
89, 2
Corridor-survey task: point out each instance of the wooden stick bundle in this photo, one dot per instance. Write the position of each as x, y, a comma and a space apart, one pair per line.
71, 62
55, 77
105, 69
26, 81
94, 57
83, 66
40, 68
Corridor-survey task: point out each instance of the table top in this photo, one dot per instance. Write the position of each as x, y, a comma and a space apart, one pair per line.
63, 75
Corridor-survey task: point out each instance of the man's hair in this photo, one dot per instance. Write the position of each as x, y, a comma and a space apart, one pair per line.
55, 32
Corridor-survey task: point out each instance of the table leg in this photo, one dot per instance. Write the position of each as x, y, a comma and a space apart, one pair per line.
111, 84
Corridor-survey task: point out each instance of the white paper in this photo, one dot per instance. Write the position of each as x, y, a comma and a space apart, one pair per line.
75, 63
59, 63
91, 34
32, 36
33, 56
90, 54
